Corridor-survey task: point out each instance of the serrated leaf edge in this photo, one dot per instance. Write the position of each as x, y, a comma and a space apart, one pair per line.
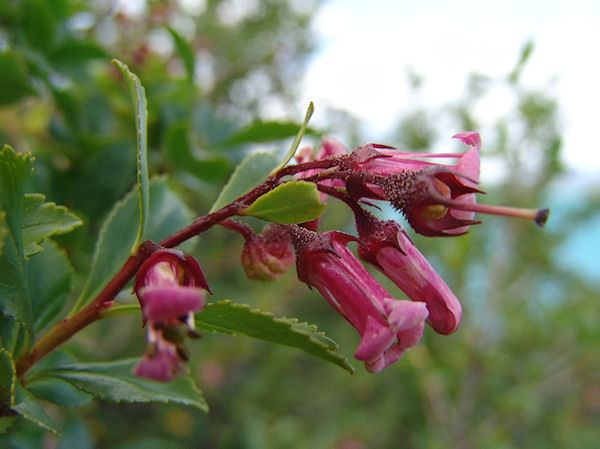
138, 95
331, 347
54, 206
55, 373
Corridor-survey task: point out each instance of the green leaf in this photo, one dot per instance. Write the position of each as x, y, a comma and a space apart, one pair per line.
3, 229
181, 154
289, 203
297, 139
6, 422
115, 381
261, 132
17, 398
14, 298
42, 220
251, 172
26, 405
228, 318
49, 281
118, 232
140, 109
8, 377
185, 52
14, 78
59, 392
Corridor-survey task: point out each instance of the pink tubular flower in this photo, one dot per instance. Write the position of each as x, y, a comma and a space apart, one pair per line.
436, 199
387, 326
170, 287
387, 247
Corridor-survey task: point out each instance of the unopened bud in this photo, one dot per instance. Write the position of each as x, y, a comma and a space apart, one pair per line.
267, 256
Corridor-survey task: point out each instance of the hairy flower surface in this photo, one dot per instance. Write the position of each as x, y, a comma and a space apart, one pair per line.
387, 326
170, 287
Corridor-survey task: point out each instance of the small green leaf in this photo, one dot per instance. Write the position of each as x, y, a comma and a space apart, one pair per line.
185, 52
115, 381
49, 282
42, 220
289, 203
118, 232
14, 298
251, 172
228, 318
140, 109
297, 139
14, 78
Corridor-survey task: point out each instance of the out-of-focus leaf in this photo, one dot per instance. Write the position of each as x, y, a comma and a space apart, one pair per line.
298, 138
180, 154
119, 231
229, 318
140, 110
169, 212
6, 422
14, 78
289, 203
260, 132
185, 52
42, 220
251, 172
40, 22
115, 381
75, 52
49, 281
14, 299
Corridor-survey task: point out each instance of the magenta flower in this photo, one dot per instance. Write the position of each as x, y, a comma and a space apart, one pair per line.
170, 287
437, 199
387, 326
387, 247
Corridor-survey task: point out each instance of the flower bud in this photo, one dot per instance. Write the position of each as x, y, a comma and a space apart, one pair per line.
267, 256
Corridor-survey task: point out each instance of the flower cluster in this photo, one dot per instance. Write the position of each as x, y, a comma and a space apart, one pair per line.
436, 199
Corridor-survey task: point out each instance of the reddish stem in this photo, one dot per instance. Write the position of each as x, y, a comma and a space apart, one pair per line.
66, 328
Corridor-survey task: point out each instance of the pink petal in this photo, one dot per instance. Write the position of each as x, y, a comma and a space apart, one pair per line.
168, 303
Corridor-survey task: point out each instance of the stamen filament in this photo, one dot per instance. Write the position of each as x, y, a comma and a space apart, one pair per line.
540, 216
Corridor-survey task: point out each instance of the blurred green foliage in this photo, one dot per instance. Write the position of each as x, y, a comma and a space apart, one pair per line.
522, 371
